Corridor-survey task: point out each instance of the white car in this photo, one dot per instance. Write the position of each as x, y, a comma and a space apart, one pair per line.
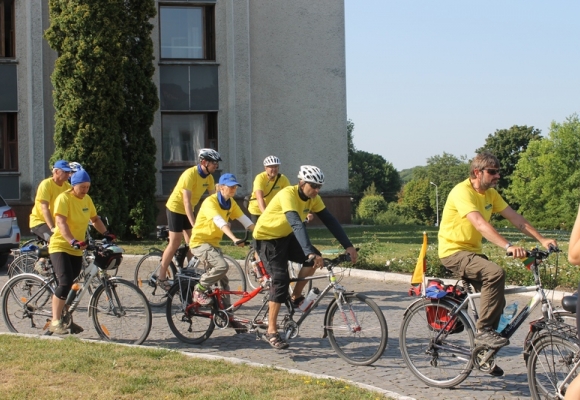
9, 231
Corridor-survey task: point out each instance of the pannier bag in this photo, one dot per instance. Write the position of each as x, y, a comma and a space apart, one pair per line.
437, 316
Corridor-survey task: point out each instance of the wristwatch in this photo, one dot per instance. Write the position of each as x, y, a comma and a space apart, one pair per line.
508, 245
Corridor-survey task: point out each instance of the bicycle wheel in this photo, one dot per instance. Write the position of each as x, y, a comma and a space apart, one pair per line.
145, 278
26, 304
120, 312
293, 270
551, 360
357, 329
192, 326
449, 362
22, 264
249, 271
236, 277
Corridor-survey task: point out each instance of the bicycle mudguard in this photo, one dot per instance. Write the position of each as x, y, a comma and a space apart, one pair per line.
540, 328
155, 250
325, 331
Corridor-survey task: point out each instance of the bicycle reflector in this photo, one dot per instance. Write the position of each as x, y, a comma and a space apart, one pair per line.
109, 257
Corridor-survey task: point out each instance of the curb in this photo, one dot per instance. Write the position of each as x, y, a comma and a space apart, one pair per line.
232, 360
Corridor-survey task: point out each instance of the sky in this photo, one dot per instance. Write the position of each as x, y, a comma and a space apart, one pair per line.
426, 77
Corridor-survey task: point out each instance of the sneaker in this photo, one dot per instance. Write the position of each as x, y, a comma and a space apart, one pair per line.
200, 297
40, 267
496, 371
490, 338
57, 328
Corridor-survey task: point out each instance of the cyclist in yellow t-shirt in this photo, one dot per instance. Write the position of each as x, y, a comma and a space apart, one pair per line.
464, 223
72, 211
41, 221
192, 184
281, 237
212, 222
266, 185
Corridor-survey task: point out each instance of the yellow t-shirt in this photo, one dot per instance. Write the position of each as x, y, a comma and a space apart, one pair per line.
456, 233
47, 191
78, 212
192, 181
273, 223
261, 182
205, 229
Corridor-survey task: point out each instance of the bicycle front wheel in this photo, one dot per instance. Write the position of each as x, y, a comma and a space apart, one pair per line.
357, 329
22, 264
120, 312
192, 326
551, 360
251, 278
26, 304
145, 278
443, 363
236, 277
293, 271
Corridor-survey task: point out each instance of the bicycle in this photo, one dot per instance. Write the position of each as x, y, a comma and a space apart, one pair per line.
553, 354
118, 309
355, 326
147, 270
437, 335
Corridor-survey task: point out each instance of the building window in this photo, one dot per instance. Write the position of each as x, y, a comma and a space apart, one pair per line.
184, 134
187, 32
8, 142
7, 43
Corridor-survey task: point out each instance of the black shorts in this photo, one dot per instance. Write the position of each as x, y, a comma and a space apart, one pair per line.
177, 222
42, 232
275, 254
66, 267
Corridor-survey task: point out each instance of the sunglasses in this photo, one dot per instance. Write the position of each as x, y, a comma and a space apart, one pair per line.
315, 185
492, 171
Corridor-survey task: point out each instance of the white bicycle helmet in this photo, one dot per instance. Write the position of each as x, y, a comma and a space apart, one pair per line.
75, 166
271, 160
311, 174
209, 154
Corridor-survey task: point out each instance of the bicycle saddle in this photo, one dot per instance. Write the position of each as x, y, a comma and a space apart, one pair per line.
569, 303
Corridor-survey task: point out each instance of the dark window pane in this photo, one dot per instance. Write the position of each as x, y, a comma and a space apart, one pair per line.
174, 90
8, 93
204, 87
182, 32
183, 135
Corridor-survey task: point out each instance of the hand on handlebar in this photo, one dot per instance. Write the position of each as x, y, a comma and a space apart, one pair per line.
78, 245
317, 261
110, 237
351, 251
516, 252
240, 242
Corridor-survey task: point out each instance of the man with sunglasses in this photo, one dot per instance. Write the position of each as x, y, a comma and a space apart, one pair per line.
281, 237
464, 224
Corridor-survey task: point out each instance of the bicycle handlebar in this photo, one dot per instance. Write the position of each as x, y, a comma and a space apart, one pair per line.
329, 263
539, 254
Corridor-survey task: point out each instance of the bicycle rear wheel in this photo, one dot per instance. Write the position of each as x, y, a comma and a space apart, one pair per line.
145, 278
120, 312
22, 264
446, 363
236, 276
26, 304
358, 333
192, 326
551, 360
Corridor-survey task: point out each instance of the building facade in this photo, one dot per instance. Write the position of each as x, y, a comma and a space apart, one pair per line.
249, 78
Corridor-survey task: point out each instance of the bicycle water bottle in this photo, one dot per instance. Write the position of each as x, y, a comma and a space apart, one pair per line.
506, 317
72, 294
310, 298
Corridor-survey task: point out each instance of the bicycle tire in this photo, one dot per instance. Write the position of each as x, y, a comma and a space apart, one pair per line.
550, 361
236, 276
438, 368
22, 264
194, 326
37, 242
121, 314
358, 333
145, 278
26, 304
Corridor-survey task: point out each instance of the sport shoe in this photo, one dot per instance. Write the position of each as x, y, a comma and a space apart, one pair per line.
200, 297
40, 267
490, 338
57, 328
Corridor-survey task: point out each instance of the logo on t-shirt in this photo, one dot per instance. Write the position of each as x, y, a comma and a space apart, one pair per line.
488, 207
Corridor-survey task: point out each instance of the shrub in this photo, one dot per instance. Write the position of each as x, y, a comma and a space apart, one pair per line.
370, 206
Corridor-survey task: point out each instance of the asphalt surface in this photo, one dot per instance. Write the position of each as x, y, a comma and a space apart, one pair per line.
311, 353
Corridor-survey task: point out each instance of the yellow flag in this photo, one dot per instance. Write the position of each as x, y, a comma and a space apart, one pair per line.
421, 266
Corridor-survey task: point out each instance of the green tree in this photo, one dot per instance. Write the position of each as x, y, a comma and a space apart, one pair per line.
367, 168
350, 137
546, 181
88, 96
371, 205
507, 145
141, 102
415, 203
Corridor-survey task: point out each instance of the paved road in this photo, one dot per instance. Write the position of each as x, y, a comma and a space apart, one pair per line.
309, 352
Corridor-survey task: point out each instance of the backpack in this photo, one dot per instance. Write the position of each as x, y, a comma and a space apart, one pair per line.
437, 316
